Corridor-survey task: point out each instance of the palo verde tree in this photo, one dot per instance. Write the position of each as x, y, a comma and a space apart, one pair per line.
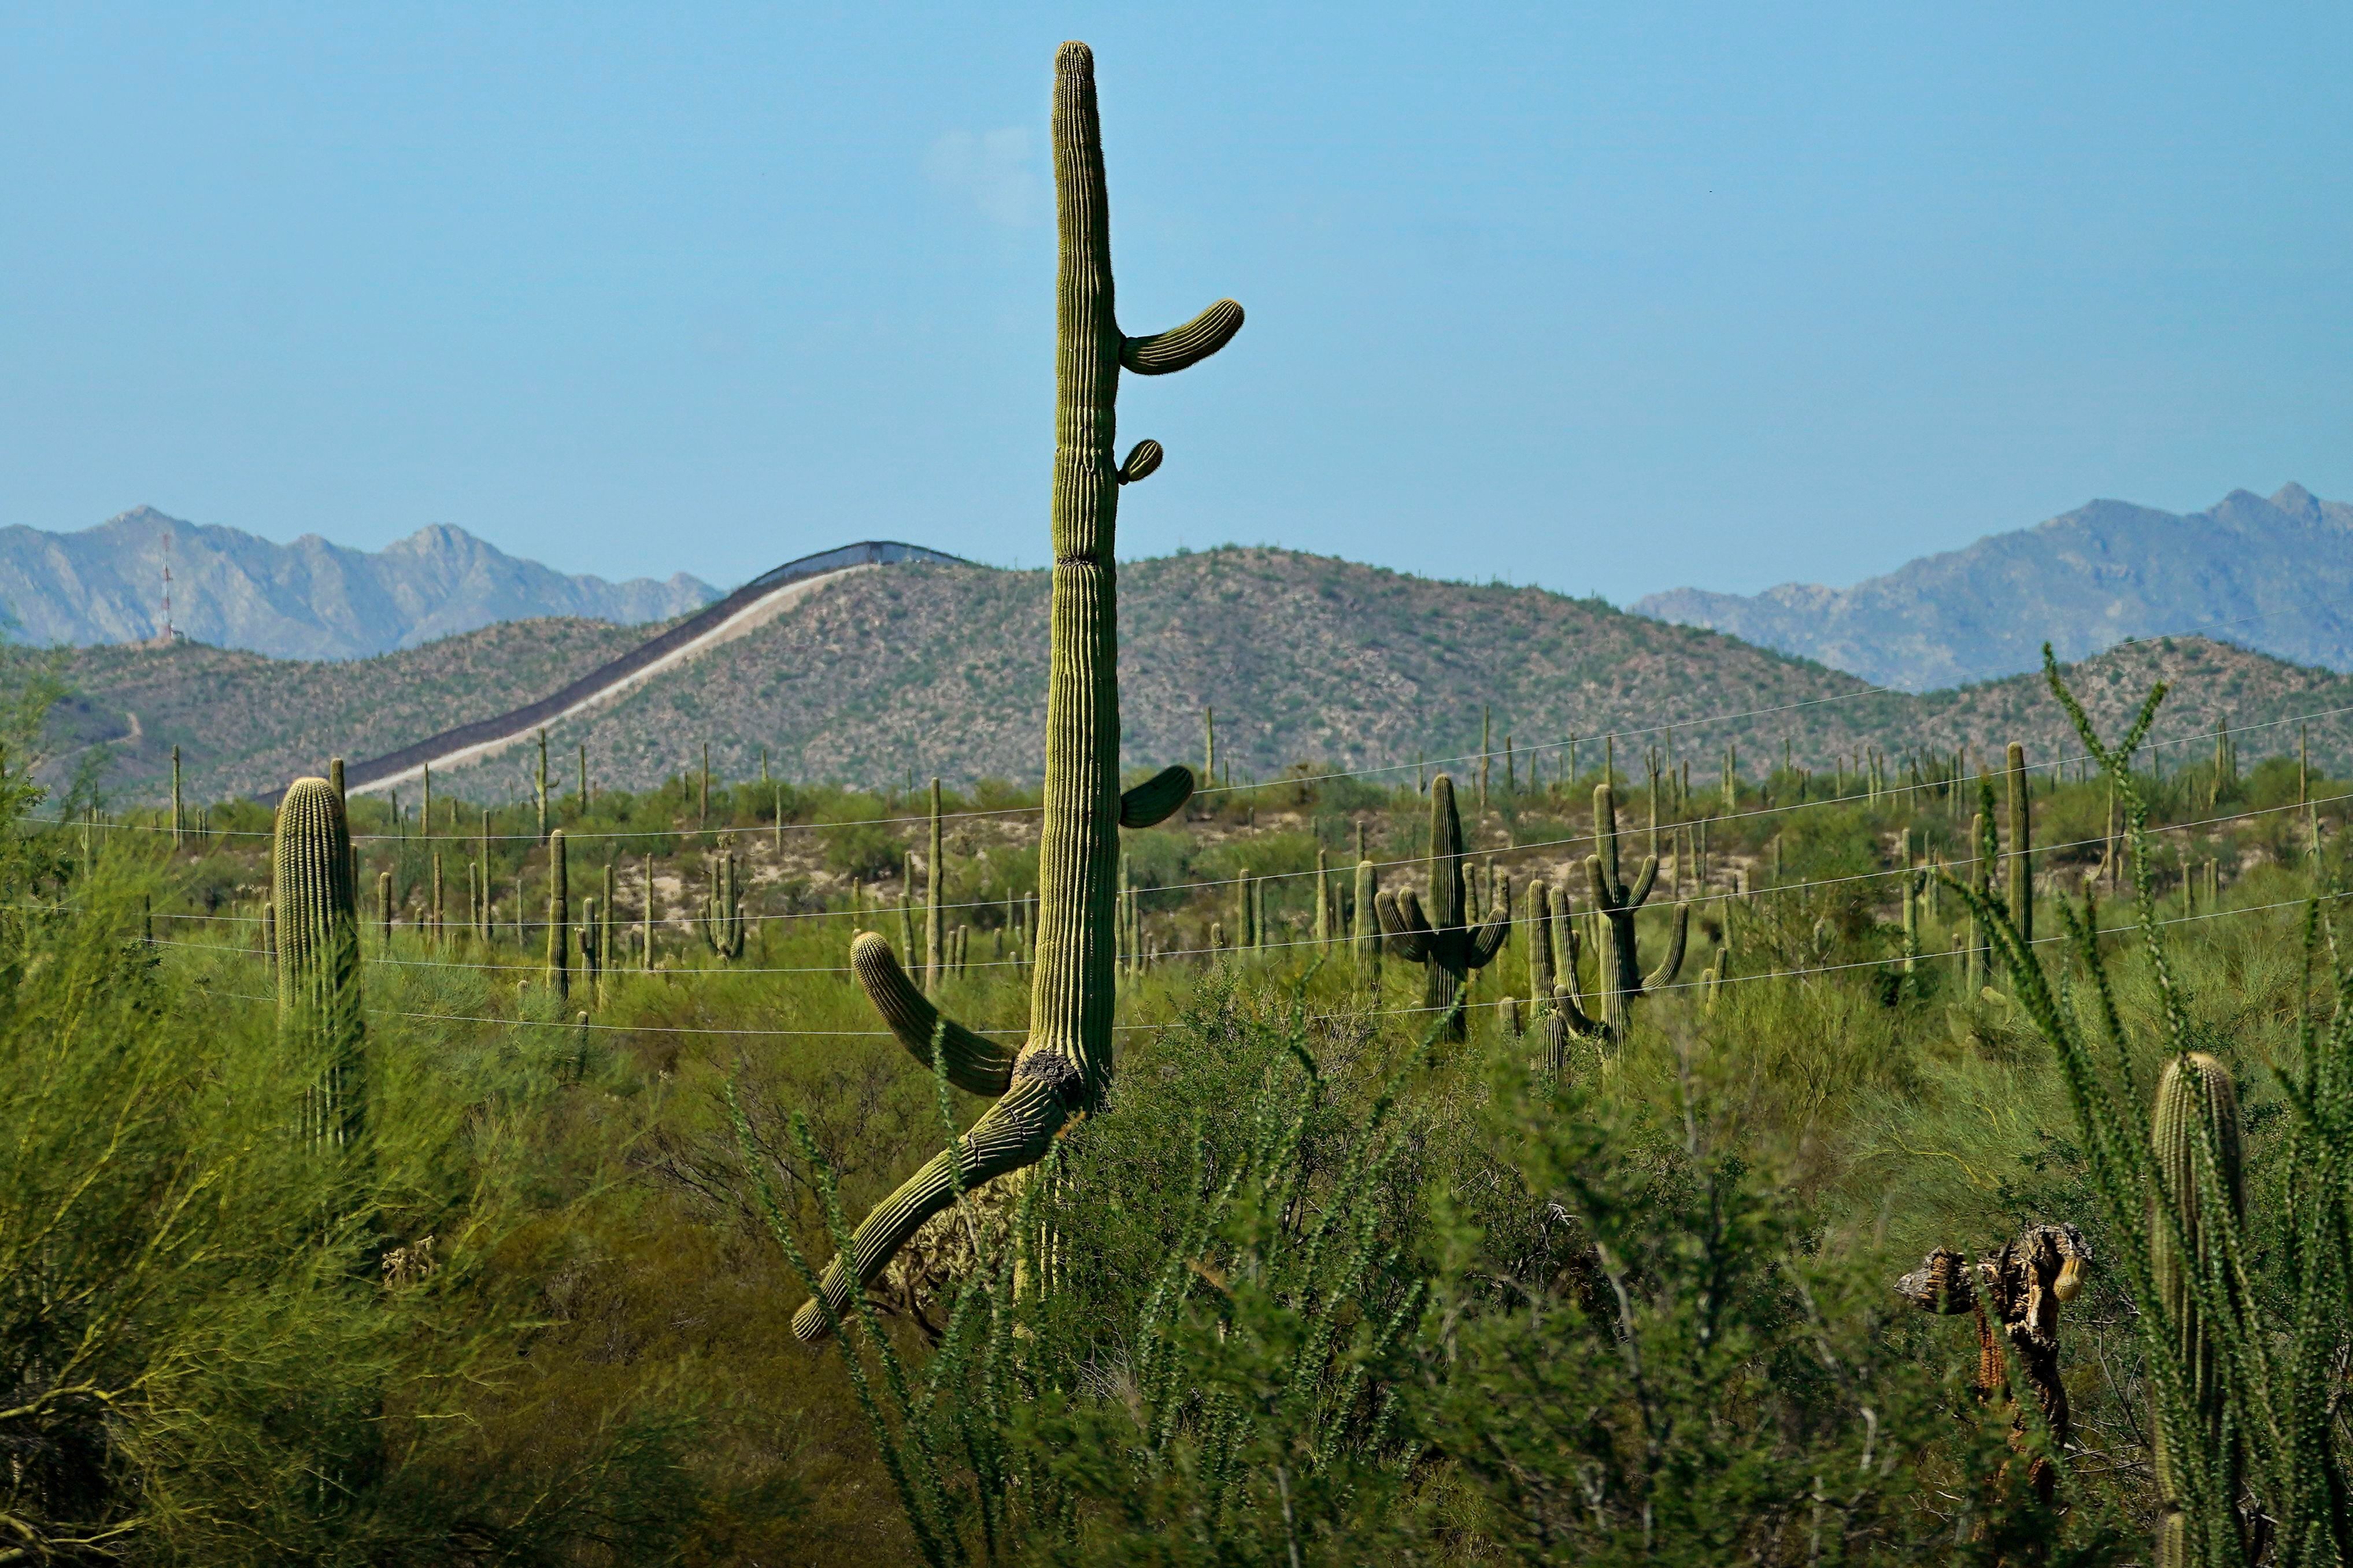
1440, 940
1064, 1068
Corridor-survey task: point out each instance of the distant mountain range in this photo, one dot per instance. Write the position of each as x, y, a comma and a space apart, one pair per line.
309, 599
2273, 575
900, 672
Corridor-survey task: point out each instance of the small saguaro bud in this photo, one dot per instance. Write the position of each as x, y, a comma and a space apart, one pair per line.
1143, 459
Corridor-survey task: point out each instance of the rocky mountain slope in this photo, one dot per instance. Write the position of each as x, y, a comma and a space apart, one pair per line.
920, 670
2274, 575
309, 599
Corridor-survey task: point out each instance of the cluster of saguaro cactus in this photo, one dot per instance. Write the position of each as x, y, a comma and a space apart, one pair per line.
316, 935
1064, 1068
1441, 938
720, 919
1622, 978
1553, 999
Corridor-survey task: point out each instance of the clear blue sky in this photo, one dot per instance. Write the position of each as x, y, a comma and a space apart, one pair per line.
1609, 298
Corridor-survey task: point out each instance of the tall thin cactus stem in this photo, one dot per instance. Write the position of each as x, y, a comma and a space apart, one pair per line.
1064, 1068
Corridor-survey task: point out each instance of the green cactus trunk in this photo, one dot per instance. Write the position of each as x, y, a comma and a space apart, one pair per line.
1322, 902
605, 953
591, 971
1065, 1066
2021, 844
2196, 1138
934, 876
559, 917
645, 923
1974, 967
316, 936
540, 794
179, 818
1367, 924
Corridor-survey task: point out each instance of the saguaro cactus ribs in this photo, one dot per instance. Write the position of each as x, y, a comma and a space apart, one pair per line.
1065, 1066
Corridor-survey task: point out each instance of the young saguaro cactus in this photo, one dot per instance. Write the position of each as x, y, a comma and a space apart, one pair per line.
1064, 1068
1622, 980
559, 917
935, 882
317, 933
1440, 939
2195, 1133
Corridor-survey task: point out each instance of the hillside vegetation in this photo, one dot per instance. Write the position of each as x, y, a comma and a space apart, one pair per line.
910, 671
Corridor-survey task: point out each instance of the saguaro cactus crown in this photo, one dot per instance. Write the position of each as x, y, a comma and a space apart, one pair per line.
1622, 979
318, 950
1440, 939
1064, 1066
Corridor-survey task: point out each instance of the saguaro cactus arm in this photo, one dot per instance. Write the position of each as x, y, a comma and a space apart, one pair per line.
1409, 933
976, 1064
1185, 346
1157, 799
1014, 1133
1678, 934
1142, 462
1487, 940
1066, 1065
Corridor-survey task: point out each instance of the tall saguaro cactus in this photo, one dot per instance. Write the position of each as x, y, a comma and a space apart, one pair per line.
1064, 1068
1440, 939
319, 953
2021, 844
1622, 979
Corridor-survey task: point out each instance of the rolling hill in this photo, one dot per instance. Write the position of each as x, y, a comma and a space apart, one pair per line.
913, 669
2274, 575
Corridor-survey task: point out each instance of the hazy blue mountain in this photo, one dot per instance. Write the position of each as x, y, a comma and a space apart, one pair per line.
2274, 575
309, 599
